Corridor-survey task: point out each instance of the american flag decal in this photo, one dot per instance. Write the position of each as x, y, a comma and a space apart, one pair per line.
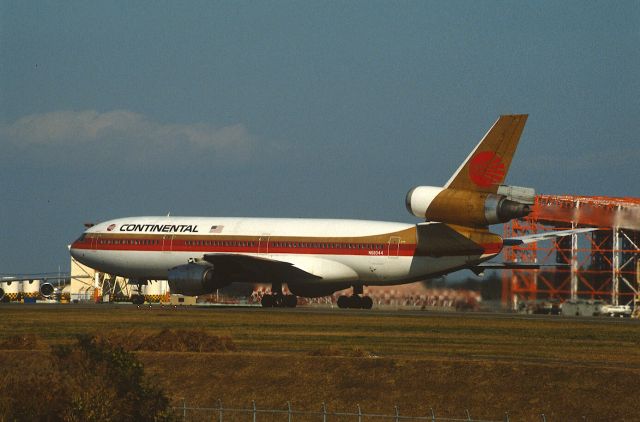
216, 229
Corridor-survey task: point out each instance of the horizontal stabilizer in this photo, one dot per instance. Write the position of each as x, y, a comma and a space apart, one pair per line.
537, 237
480, 268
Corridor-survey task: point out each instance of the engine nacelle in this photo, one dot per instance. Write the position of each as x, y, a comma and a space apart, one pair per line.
193, 279
47, 289
419, 198
463, 207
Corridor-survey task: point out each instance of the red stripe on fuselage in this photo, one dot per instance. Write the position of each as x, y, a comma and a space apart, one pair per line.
254, 246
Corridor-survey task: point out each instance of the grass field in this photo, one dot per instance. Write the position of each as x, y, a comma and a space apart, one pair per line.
566, 368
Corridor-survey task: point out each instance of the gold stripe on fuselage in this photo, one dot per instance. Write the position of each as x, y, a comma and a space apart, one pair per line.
405, 236
428, 239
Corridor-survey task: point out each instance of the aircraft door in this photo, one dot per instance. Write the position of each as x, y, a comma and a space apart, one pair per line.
167, 242
263, 244
95, 242
393, 247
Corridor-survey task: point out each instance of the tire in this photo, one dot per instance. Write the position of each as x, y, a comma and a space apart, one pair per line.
343, 302
290, 301
267, 301
367, 302
279, 301
355, 302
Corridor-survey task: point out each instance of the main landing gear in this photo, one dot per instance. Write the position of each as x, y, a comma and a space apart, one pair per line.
278, 299
355, 301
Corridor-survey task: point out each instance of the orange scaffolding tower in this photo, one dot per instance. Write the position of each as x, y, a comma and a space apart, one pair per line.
601, 265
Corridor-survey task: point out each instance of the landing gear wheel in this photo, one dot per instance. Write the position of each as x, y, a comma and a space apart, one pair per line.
278, 301
367, 302
355, 302
290, 301
267, 301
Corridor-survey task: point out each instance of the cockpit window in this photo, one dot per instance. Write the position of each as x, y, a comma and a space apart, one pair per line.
81, 238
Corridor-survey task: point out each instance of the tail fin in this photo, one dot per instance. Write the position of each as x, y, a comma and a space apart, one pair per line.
487, 165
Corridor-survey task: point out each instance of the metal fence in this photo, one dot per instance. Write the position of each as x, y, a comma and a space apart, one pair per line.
219, 413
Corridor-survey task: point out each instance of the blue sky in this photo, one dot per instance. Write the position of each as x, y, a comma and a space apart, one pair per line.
297, 109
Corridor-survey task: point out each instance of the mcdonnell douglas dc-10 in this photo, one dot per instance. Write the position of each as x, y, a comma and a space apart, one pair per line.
317, 257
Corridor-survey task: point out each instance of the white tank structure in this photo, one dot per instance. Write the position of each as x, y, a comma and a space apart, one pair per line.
31, 288
155, 291
12, 290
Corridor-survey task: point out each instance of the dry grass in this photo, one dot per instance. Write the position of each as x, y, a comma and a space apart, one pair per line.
337, 351
488, 364
28, 341
168, 340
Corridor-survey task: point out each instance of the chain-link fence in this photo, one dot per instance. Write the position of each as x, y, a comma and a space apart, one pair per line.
253, 413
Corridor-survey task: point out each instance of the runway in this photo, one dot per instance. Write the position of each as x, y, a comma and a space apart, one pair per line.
381, 312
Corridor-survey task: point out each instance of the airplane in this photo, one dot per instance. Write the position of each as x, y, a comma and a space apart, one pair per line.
318, 257
49, 283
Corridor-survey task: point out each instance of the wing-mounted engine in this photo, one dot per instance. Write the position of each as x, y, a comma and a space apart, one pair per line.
47, 289
194, 279
468, 207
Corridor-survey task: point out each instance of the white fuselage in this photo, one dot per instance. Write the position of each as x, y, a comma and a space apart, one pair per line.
369, 252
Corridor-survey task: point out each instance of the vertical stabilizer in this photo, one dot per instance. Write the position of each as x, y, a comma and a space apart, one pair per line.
470, 198
487, 165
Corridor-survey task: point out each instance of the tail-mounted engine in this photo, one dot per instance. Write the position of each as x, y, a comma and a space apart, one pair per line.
193, 279
464, 207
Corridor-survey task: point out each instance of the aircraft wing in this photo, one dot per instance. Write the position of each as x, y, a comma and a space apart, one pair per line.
235, 267
537, 237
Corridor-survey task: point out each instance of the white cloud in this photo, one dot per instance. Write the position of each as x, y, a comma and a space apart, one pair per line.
134, 131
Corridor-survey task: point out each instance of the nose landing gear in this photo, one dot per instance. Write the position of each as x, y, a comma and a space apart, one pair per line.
138, 298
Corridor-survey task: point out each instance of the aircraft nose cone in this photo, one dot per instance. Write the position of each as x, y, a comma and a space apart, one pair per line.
75, 252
